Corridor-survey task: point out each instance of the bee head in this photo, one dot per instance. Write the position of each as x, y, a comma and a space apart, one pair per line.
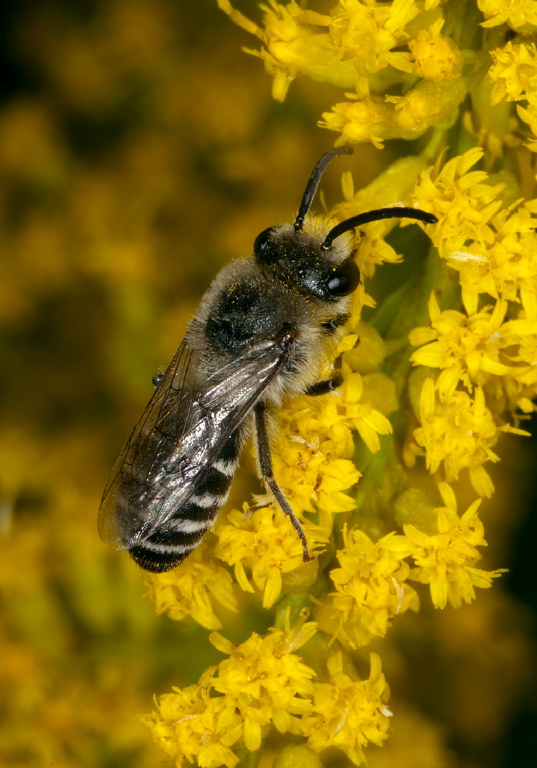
297, 259
315, 264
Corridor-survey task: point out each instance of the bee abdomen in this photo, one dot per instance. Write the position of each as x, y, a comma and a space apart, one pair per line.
168, 545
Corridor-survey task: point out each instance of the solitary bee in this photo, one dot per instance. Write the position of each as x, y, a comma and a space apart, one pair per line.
260, 332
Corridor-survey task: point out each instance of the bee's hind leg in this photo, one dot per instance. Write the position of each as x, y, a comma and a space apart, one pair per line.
265, 463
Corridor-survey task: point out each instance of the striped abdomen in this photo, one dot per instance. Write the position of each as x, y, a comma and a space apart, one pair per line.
171, 543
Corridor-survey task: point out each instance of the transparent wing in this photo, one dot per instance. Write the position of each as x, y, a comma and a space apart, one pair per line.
181, 433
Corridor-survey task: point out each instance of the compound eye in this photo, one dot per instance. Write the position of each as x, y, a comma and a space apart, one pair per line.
266, 250
344, 280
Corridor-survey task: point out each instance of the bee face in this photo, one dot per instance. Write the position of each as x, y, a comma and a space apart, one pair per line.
260, 332
298, 260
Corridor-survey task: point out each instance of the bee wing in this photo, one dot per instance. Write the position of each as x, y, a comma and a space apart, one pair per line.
180, 434
132, 473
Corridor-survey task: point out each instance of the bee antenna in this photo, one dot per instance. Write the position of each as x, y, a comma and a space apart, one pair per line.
381, 213
313, 183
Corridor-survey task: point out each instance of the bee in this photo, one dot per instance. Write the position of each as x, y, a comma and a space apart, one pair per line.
261, 331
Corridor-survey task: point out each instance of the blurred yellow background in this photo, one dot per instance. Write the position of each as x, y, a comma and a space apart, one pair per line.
140, 150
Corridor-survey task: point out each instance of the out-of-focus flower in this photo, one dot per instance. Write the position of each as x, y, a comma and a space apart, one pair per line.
520, 15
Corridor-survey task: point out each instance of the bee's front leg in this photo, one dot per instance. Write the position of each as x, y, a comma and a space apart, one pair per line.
328, 385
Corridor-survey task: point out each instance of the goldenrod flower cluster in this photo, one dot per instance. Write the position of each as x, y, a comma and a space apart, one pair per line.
434, 375
262, 682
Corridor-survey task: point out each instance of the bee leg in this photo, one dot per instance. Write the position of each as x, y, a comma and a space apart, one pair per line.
335, 322
329, 385
322, 387
265, 463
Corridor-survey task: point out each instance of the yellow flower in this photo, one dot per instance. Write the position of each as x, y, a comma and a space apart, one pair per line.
446, 560
435, 57
266, 544
513, 261
359, 38
529, 116
370, 586
348, 713
504, 266
514, 72
368, 31
367, 119
459, 432
191, 589
519, 14
481, 349
461, 200
367, 420
375, 119
294, 45
264, 681
316, 479
190, 724
314, 437
466, 348
312, 462
261, 682
522, 334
